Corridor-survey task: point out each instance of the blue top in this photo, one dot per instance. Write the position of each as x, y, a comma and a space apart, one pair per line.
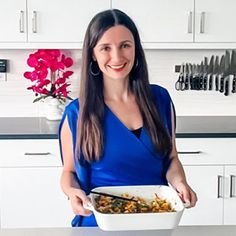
126, 159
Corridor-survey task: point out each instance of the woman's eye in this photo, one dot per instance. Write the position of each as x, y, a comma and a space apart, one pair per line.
125, 45
105, 49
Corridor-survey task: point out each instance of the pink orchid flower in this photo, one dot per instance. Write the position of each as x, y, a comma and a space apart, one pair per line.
49, 75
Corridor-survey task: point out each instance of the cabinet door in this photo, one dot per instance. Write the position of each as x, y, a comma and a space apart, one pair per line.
13, 21
31, 197
61, 20
160, 20
218, 21
207, 182
230, 195
30, 153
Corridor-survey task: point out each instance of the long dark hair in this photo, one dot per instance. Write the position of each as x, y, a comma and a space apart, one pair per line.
91, 114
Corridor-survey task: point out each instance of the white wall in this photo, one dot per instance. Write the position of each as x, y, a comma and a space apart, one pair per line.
16, 100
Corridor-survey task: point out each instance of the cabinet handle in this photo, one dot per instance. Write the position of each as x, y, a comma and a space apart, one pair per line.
219, 186
232, 184
202, 23
189, 152
37, 153
22, 26
34, 22
190, 22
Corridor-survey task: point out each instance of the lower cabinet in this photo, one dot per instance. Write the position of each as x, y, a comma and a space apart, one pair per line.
210, 167
230, 195
30, 192
209, 208
31, 197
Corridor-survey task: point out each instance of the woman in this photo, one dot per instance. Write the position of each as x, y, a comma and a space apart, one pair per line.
121, 130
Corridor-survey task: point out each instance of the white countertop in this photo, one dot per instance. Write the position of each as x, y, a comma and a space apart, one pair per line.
94, 231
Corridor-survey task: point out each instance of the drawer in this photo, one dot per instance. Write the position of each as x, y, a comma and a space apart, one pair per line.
204, 151
28, 153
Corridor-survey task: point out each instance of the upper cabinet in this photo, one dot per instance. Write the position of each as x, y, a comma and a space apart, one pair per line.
47, 23
215, 21
13, 21
61, 20
183, 23
161, 23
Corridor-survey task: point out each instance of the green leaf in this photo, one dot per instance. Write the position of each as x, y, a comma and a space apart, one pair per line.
39, 98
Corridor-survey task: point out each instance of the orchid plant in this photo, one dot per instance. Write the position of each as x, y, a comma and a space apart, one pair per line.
49, 77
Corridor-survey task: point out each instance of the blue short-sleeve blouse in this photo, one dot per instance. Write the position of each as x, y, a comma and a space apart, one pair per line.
126, 159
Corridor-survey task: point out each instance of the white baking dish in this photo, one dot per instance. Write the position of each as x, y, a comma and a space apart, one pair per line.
139, 221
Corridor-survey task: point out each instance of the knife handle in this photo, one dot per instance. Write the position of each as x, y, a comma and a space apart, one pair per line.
186, 82
222, 84
196, 82
200, 84
226, 87
234, 85
191, 81
217, 82
210, 82
205, 82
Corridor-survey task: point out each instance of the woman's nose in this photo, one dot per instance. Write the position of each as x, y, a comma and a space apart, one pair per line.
116, 55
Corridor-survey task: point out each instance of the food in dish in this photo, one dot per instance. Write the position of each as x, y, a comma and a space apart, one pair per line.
110, 205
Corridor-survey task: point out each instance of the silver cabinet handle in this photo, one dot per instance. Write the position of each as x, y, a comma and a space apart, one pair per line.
37, 153
22, 25
189, 152
232, 186
34, 22
190, 22
202, 23
219, 186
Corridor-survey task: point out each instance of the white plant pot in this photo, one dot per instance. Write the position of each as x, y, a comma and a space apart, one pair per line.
53, 109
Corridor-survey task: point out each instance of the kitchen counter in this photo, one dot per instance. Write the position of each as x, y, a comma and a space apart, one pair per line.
187, 126
28, 128
179, 231
206, 126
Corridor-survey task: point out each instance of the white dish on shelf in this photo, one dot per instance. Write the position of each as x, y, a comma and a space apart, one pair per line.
139, 221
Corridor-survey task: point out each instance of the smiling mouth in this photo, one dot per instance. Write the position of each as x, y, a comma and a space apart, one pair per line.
117, 67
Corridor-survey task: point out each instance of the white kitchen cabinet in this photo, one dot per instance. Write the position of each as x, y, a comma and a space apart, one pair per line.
215, 21
210, 166
230, 195
187, 23
13, 21
160, 20
32, 198
209, 208
42, 21
30, 193
61, 20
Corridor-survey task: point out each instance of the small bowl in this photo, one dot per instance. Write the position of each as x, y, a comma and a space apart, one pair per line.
139, 221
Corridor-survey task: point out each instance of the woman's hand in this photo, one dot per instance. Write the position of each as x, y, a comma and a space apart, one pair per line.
186, 194
78, 199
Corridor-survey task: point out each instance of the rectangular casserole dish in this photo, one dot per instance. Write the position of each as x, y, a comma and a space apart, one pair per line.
139, 221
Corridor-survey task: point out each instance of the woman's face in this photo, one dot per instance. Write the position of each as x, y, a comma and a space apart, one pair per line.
115, 53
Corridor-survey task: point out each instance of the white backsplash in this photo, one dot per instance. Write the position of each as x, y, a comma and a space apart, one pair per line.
16, 100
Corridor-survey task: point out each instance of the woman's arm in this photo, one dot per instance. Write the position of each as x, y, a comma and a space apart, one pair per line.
175, 174
69, 184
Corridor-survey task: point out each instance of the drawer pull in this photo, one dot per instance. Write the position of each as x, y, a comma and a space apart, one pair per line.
37, 153
189, 152
219, 186
232, 186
